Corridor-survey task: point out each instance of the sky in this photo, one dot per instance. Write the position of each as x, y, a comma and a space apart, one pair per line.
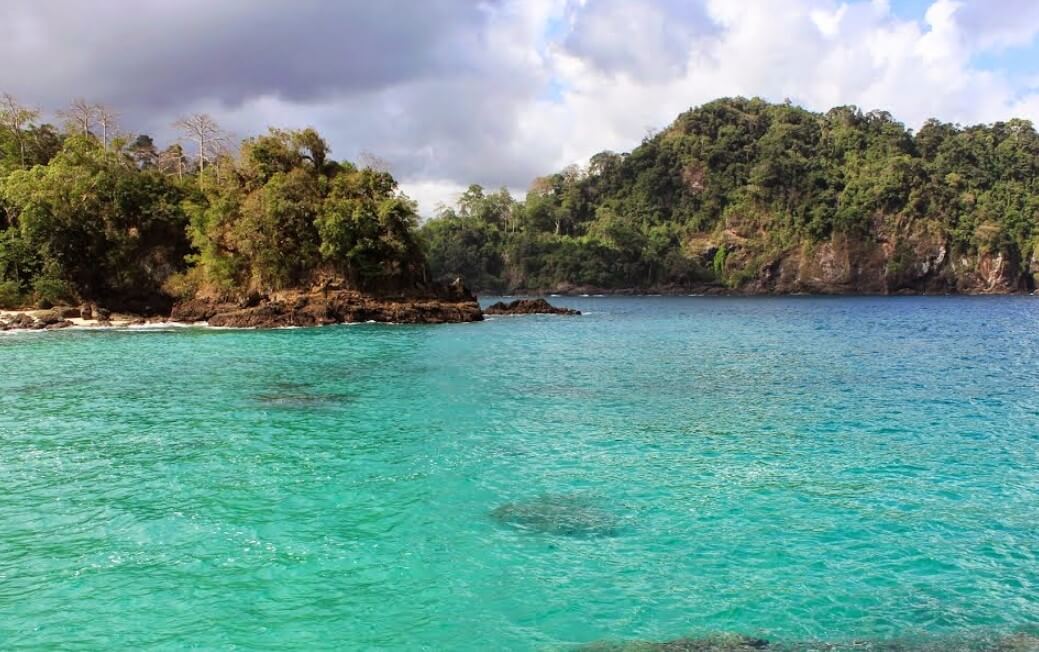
498, 92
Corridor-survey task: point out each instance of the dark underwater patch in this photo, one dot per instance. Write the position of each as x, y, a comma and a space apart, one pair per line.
1019, 642
559, 514
298, 396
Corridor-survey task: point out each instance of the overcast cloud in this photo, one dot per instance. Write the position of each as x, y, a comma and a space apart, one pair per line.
496, 92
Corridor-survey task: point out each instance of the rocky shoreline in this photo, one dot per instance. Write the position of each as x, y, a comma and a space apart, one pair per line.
439, 304
323, 308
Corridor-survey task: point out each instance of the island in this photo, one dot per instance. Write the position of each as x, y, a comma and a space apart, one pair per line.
743, 196
738, 196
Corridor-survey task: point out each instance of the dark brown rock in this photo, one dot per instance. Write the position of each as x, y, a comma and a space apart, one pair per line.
194, 310
325, 306
251, 300
21, 321
49, 318
528, 307
53, 326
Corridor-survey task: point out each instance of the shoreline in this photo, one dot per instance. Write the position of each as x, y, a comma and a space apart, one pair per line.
11, 320
52, 319
727, 292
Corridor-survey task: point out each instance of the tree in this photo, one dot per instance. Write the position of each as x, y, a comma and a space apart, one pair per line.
205, 133
107, 119
80, 116
16, 118
172, 160
143, 152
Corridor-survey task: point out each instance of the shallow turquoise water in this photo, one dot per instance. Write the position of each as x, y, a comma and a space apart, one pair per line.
792, 468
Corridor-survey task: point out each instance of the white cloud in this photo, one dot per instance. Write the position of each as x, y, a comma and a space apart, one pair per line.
818, 53
495, 92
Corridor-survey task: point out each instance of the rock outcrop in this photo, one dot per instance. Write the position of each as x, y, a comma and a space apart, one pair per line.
445, 304
50, 320
915, 261
324, 304
528, 307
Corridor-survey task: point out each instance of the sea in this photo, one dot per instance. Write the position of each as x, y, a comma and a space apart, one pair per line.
833, 473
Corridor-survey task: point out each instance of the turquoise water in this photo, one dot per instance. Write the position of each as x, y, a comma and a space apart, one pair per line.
793, 468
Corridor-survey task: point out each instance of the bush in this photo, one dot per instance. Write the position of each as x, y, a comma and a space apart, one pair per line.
10, 295
49, 291
184, 285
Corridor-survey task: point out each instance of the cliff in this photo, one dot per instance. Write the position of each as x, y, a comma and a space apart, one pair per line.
918, 262
748, 197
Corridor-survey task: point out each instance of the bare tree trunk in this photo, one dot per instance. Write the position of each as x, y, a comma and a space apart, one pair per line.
80, 116
16, 118
206, 133
107, 117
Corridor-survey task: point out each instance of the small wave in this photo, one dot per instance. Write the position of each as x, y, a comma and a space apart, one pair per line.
159, 325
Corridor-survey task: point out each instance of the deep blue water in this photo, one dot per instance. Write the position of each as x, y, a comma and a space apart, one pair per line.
799, 469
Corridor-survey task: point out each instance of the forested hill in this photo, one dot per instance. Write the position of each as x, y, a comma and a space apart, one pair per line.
748, 196
88, 215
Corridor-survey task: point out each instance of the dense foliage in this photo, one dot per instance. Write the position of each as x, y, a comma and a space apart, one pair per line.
84, 217
775, 177
715, 198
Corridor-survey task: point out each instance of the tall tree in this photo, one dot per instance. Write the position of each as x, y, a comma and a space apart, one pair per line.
16, 118
80, 116
206, 134
108, 120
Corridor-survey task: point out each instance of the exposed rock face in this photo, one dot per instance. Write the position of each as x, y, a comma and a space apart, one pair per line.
919, 261
528, 307
444, 305
21, 321
51, 320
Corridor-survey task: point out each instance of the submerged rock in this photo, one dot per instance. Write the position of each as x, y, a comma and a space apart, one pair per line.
528, 307
718, 643
1019, 642
303, 401
563, 515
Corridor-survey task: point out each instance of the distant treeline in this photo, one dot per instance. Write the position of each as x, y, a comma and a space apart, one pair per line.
720, 197
764, 178
88, 213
